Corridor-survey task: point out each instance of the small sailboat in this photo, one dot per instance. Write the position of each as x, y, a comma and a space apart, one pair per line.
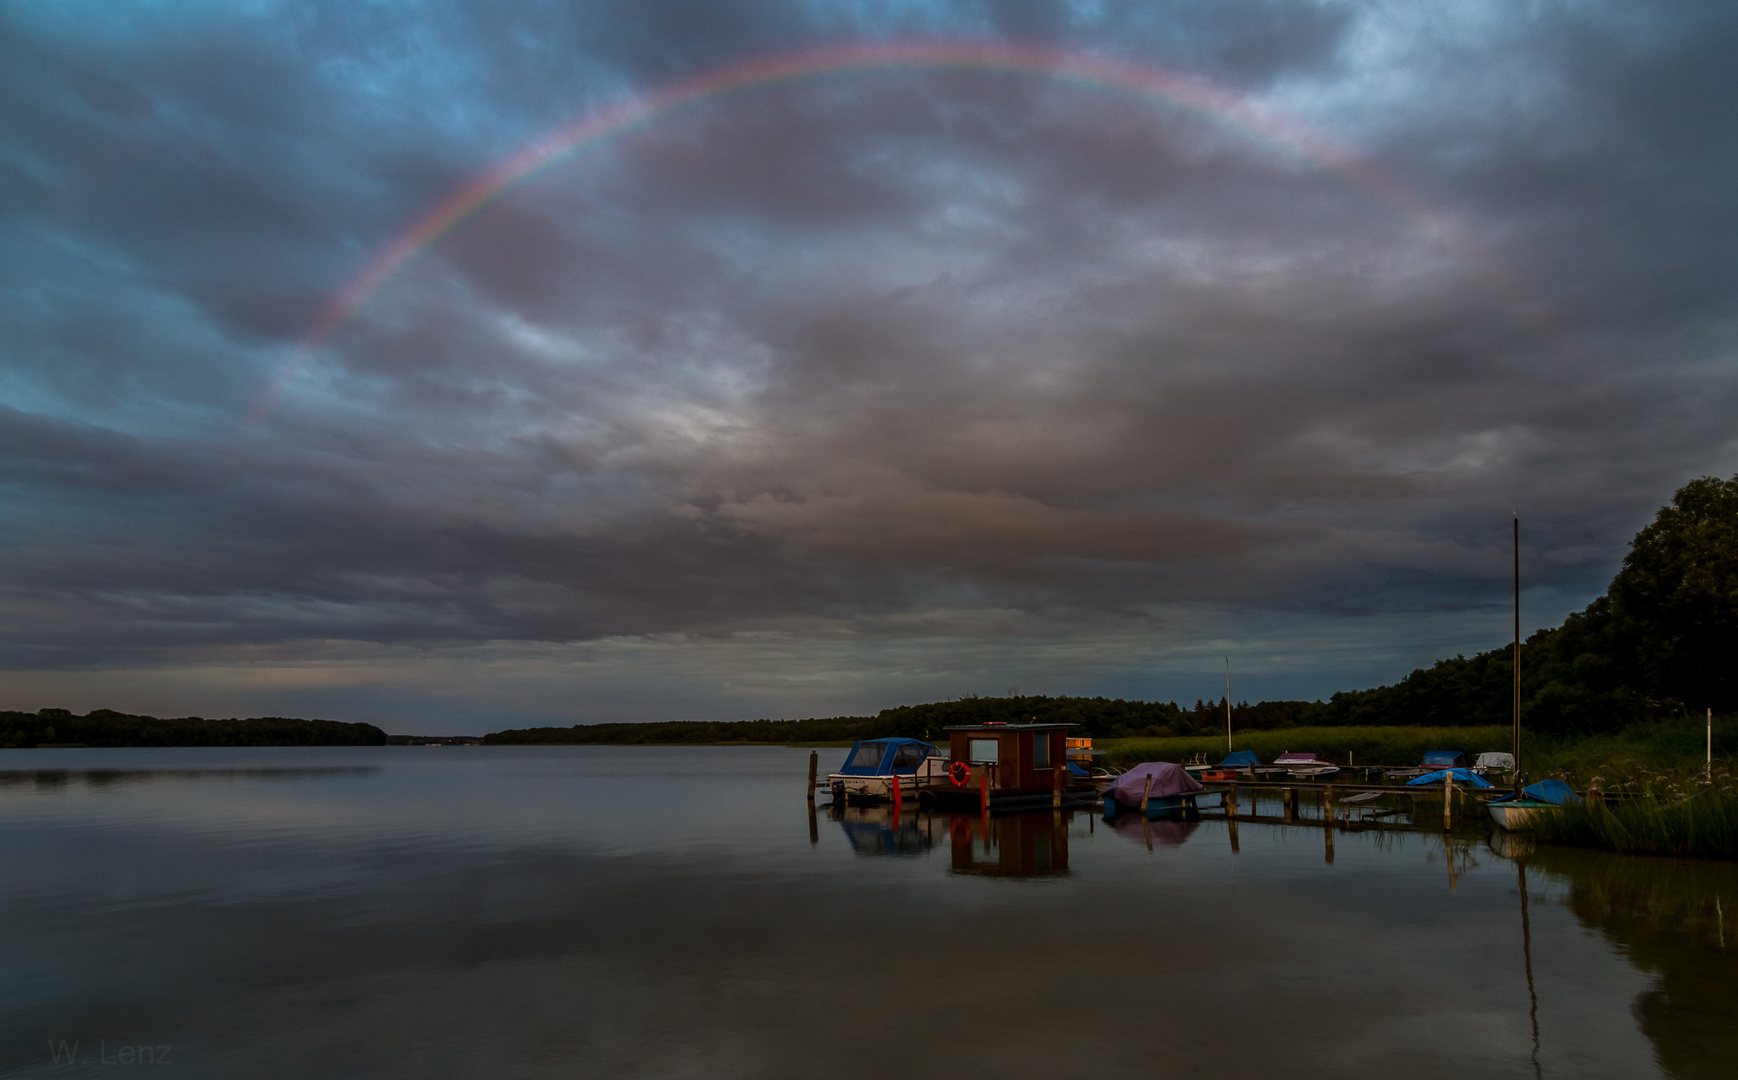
1516, 810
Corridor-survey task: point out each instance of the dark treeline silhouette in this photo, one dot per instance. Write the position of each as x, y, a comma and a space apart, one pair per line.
103, 727
1659, 644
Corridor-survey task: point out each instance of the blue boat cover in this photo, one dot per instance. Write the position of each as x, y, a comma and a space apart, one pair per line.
1241, 758
1076, 770
1461, 776
884, 757
1555, 792
1443, 759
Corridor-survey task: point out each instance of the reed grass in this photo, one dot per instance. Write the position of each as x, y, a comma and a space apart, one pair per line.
1700, 825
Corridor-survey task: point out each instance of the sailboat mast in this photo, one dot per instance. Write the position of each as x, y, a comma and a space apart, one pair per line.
1517, 656
1228, 706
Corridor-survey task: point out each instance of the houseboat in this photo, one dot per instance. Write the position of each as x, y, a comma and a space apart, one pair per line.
1002, 766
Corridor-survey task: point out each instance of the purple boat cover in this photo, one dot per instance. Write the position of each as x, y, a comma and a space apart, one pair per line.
1168, 779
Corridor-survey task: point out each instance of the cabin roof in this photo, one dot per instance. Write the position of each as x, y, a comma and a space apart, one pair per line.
1009, 727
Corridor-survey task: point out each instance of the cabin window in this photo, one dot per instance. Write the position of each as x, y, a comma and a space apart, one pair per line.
909, 756
867, 756
1041, 750
986, 751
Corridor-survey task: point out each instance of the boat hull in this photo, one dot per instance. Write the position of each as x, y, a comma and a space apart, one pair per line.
1159, 808
1516, 815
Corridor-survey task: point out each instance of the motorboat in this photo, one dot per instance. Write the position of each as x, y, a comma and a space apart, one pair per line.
1304, 764
1493, 762
1516, 812
873, 766
1433, 761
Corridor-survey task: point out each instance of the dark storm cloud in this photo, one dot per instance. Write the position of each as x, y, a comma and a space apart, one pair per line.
946, 363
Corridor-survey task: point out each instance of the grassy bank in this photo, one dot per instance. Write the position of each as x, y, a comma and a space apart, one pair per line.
1703, 825
1636, 761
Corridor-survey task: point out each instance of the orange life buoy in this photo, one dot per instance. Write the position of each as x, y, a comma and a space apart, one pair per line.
959, 772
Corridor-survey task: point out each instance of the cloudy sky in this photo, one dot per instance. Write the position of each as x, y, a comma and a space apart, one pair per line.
878, 384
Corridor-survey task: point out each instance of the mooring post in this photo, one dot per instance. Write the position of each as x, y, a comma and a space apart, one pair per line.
814, 760
1146, 794
1328, 799
1287, 811
1447, 800
1056, 796
1231, 801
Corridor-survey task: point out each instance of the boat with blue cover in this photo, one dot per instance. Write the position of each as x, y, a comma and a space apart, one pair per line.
1516, 811
1459, 776
873, 764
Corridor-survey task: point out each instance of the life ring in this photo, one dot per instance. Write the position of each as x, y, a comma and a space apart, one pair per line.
960, 773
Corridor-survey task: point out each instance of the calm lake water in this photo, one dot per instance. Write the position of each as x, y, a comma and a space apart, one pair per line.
673, 912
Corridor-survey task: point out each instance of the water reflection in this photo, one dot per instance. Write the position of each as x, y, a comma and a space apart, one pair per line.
1162, 833
679, 913
1667, 916
1028, 845
1011, 845
14, 779
879, 830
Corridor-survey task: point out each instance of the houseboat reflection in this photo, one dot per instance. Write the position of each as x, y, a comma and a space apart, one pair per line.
1011, 845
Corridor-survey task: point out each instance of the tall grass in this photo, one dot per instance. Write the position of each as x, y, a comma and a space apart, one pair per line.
1704, 825
1655, 758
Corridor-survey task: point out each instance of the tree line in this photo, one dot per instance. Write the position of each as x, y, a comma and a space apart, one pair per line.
105, 727
1661, 642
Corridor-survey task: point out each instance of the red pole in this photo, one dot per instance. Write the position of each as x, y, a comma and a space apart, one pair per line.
984, 792
896, 793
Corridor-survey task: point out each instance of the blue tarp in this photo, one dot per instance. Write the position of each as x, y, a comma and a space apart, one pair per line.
884, 757
1555, 792
1443, 759
1076, 770
1240, 759
1461, 776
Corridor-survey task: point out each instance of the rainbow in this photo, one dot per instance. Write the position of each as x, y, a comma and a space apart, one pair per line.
1172, 89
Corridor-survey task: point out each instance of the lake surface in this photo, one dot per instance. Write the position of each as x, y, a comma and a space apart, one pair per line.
675, 912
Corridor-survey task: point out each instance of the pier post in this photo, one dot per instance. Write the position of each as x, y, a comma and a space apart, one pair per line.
1287, 811
1328, 803
814, 760
1145, 794
1056, 795
1447, 800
